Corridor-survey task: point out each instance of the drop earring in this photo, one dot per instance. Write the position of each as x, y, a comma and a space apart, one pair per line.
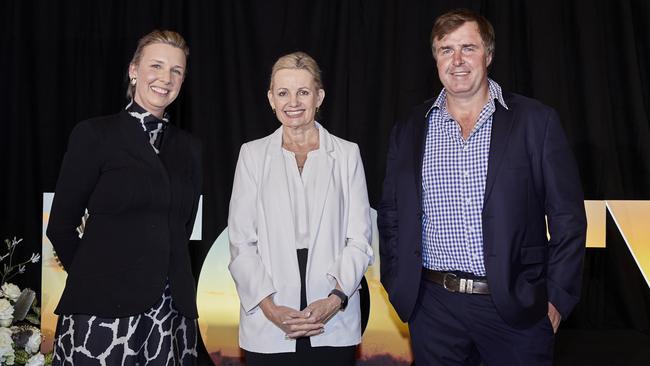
133, 81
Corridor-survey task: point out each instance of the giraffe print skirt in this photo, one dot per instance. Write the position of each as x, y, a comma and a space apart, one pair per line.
160, 336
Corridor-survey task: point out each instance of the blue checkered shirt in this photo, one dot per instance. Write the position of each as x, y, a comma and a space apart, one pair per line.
453, 184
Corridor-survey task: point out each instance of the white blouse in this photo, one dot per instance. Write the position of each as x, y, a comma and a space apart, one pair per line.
300, 187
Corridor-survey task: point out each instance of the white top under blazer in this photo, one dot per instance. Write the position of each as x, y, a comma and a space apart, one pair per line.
263, 246
300, 184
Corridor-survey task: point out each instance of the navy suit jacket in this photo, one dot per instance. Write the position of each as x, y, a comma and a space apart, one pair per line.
531, 174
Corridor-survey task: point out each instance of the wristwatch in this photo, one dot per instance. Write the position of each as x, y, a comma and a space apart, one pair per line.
341, 295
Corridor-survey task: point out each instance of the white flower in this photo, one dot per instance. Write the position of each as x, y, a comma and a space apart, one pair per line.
35, 258
15, 242
36, 360
10, 291
33, 345
5, 336
6, 313
7, 355
6, 346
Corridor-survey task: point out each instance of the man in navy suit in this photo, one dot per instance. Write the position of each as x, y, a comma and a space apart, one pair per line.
473, 181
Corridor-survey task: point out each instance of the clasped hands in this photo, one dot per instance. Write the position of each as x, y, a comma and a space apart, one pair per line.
305, 323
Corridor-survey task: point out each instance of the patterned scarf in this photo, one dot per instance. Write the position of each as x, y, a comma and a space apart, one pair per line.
154, 127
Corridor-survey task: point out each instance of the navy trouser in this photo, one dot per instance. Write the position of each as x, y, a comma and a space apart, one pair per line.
448, 328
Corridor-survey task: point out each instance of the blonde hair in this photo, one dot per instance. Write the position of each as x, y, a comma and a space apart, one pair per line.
298, 61
167, 37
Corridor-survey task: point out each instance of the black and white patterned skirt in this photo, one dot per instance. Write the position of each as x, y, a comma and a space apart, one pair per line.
159, 336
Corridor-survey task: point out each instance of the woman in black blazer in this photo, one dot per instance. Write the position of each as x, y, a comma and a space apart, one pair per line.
130, 295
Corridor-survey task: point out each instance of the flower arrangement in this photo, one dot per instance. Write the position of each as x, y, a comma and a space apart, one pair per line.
20, 335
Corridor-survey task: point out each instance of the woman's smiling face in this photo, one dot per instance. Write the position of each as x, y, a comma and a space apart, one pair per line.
159, 76
295, 97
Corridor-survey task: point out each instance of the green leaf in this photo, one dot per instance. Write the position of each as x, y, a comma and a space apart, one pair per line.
48, 358
21, 356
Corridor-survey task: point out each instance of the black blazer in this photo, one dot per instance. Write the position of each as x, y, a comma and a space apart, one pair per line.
141, 208
531, 173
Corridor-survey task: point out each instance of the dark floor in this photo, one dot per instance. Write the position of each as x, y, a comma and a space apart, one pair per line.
572, 348
602, 347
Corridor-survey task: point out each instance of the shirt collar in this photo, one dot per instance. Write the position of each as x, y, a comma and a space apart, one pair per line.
493, 88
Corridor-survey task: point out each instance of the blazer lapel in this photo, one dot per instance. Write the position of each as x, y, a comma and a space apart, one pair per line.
276, 198
501, 126
419, 142
170, 154
276, 205
136, 140
323, 171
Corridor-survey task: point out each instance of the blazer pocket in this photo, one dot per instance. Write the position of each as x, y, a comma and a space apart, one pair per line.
532, 255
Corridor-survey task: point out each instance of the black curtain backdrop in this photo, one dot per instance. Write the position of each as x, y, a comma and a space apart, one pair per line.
65, 61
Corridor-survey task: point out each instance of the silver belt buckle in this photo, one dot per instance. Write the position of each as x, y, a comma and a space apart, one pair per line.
444, 281
466, 286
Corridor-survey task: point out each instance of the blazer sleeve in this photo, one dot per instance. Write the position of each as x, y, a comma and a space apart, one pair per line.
567, 224
357, 255
79, 173
387, 217
252, 280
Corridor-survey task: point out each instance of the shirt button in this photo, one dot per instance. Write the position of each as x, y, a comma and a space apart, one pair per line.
466, 174
468, 201
417, 253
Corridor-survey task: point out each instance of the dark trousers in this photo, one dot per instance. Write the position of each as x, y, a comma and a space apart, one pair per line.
305, 354
449, 328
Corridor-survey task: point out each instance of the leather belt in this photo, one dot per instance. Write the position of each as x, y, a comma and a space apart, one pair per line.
451, 282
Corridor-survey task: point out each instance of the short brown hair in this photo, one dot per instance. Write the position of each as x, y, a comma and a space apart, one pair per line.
298, 61
167, 37
452, 20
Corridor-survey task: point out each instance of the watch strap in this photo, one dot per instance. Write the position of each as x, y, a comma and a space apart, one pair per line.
341, 295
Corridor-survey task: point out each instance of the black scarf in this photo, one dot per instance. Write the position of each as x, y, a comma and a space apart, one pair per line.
152, 126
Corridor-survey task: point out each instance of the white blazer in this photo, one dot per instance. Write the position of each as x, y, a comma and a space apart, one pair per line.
262, 239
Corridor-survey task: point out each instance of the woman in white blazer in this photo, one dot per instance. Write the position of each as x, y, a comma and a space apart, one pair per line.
299, 228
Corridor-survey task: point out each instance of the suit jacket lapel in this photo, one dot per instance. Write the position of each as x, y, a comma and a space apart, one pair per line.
501, 126
170, 154
324, 164
276, 205
136, 140
419, 142
276, 198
